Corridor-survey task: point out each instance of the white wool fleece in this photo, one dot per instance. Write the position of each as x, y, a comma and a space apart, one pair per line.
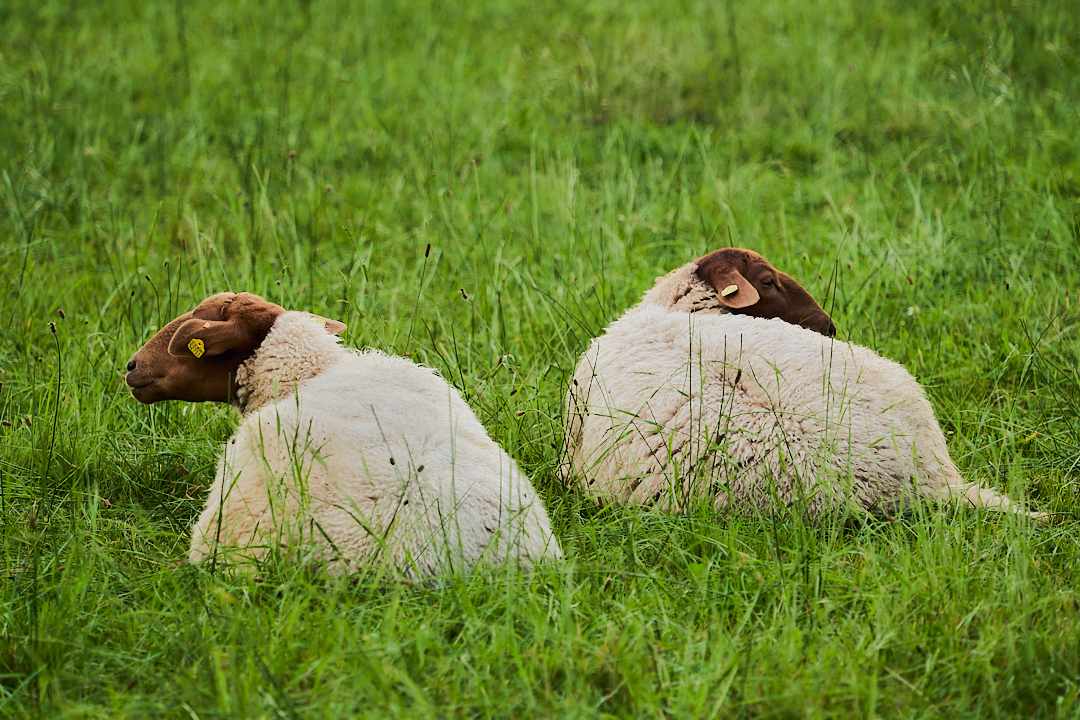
753, 413
352, 457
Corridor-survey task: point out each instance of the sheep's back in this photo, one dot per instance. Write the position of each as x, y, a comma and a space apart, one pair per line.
667, 404
380, 455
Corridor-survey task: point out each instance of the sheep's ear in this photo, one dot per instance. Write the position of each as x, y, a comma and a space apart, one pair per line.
721, 270
196, 338
332, 326
732, 289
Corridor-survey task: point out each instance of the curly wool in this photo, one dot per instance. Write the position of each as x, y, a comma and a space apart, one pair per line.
668, 405
683, 289
354, 456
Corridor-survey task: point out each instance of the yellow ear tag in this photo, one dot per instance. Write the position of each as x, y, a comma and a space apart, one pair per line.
728, 290
196, 347
321, 321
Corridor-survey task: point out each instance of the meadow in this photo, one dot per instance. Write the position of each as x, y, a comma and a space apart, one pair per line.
483, 186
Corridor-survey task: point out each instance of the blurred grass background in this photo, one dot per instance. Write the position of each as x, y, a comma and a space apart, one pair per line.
915, 165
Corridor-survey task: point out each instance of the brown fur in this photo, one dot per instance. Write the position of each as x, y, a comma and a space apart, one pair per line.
231, 326
763, 291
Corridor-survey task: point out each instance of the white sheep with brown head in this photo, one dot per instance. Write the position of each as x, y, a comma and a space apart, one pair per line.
704, 389
343, 457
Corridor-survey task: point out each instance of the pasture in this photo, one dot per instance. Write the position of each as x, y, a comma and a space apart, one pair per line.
484, 186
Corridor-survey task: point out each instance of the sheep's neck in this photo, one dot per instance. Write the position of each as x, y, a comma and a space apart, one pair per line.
253, 392
295, 350
683, 290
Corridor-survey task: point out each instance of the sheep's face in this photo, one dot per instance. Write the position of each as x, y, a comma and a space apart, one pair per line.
195, 357
747, 284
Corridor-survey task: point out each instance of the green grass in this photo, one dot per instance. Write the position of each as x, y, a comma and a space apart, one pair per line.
914, 164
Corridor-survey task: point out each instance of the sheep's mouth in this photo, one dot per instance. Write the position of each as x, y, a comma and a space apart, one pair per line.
137, 383
144, 389
822, 326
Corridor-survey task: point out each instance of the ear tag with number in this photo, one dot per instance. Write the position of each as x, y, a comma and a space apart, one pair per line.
196, 347
728, 290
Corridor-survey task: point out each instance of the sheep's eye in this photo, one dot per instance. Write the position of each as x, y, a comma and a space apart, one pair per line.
767, 282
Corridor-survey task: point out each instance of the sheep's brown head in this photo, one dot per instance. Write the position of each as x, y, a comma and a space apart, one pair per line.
195, 357
747, 284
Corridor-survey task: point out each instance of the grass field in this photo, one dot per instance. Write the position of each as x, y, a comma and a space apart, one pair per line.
914, 164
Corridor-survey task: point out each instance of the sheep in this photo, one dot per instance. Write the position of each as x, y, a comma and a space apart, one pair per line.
669, 404
343, 457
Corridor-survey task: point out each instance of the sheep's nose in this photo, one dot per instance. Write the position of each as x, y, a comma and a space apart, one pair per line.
131, 364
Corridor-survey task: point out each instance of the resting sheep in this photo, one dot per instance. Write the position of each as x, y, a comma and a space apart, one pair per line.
341, 457
680, 399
